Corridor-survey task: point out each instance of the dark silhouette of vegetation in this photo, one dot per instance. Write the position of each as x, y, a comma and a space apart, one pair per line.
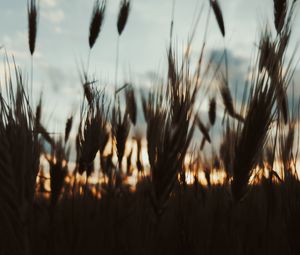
91, 207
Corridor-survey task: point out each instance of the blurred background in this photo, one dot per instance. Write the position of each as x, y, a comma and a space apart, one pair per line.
62, 44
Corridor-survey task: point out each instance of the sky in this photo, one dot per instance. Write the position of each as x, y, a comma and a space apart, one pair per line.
62, 43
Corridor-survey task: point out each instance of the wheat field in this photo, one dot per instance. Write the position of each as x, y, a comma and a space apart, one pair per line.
105, 186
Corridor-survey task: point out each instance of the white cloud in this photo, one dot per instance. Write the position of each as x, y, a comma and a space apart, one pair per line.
6, 40
54, 16
58, 30
49, 3
16, 44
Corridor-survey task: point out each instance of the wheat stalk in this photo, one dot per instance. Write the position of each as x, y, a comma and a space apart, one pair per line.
96, 22
218, 14
32, 12
123, 15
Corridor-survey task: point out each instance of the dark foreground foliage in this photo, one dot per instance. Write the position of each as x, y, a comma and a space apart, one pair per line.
255, 209
197, 220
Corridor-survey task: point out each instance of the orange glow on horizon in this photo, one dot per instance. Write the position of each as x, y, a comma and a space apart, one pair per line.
216, 176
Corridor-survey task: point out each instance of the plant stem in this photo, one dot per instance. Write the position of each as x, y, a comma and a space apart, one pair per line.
31, 82
117, 64
88, 61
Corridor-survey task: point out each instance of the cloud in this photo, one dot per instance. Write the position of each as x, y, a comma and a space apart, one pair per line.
6, 39
55, 16
61, 81
58, 30
49, 3
237, 70
56, 77
151, 77
16, 45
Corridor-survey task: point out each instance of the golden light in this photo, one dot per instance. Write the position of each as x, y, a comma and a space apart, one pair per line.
216, 176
